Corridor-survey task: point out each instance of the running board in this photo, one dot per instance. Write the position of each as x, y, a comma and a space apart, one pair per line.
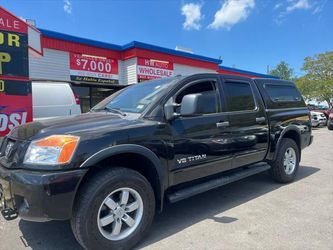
218, 182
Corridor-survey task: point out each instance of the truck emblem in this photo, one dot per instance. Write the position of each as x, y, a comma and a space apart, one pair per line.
191, 158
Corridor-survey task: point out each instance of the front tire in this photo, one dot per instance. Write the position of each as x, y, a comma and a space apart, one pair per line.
113, 210
284, 168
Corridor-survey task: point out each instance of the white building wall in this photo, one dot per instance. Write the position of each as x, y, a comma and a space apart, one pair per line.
54, 65
180, 69
127, 71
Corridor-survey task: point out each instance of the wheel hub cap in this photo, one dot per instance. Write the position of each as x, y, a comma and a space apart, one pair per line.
120, 214
289, 161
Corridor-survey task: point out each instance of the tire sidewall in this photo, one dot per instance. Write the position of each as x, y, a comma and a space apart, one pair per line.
277, 169
97, 240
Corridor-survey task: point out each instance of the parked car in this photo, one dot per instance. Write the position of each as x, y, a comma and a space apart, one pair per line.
322, 109
330, 121
160, 141
318, 119
53, 99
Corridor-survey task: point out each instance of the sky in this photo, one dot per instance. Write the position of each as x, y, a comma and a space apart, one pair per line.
246, 34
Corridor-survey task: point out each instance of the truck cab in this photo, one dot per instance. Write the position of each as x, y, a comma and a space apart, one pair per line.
159, 141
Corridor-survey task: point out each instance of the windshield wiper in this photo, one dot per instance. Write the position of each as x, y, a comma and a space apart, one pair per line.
112, 110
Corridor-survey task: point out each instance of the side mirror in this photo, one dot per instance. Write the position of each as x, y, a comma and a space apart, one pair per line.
169, 110
189, 105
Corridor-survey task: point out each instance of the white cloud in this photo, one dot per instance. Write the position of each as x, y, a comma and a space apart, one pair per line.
298, 5
68, 6
289, 6
232, 12
193, 16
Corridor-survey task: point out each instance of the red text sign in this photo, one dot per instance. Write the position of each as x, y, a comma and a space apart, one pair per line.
90, 68
9, 22
152, 69
15, 87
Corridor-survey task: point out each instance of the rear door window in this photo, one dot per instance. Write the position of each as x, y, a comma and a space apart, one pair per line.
239, 96
283, 93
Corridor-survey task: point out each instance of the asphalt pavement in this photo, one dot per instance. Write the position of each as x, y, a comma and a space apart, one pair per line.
254, 213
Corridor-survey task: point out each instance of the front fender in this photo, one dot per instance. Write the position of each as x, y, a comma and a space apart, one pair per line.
161, 170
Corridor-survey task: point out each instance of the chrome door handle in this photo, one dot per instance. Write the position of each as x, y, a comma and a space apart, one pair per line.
222, 124
260, 119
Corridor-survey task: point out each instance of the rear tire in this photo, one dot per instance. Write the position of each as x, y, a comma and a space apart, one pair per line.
330, 126
284, 168
104, 216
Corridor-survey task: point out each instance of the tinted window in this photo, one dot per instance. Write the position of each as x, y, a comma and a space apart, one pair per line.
239, 96
284, 93
208, 101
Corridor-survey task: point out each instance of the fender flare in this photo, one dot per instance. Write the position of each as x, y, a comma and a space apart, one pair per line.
284, 131
162, 172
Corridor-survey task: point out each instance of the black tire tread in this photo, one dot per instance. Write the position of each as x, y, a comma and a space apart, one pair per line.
277, 170
86, 193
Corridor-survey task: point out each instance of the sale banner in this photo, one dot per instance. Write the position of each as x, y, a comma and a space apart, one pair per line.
93, 69
15, 104
15, 87
148, 69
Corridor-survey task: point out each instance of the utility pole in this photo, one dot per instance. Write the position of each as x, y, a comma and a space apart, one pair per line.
267, 69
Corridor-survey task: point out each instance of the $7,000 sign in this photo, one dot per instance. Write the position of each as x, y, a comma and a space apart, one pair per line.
93, 67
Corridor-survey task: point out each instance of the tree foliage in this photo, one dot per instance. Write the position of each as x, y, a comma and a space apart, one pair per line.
283, 71
317, 83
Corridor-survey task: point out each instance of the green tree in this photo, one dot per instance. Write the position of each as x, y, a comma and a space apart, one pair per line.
283, 71
317, 83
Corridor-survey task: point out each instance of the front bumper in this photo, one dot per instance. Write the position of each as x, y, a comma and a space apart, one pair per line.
314, 123
322, 122
39, 196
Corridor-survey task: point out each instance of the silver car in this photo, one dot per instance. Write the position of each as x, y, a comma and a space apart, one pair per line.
318, 119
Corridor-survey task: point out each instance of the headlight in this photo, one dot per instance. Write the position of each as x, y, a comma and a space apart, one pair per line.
52, 150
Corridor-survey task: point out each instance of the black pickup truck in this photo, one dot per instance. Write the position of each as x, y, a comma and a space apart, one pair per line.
160, 141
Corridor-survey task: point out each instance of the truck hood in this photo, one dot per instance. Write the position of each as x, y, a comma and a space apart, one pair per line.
75, 125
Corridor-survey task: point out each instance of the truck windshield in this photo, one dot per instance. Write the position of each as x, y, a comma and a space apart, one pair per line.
136, 98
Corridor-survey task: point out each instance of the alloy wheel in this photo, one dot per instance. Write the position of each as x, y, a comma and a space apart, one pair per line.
120, 214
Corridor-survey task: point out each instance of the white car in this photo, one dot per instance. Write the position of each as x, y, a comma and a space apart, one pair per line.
318, 119
53, 99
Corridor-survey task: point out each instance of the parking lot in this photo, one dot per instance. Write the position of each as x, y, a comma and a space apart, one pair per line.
254, 213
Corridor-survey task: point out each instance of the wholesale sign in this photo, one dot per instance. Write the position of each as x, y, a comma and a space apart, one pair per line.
93, 69
148, 69
15, 87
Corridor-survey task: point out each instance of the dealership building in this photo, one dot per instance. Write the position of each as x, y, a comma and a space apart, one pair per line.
97, 68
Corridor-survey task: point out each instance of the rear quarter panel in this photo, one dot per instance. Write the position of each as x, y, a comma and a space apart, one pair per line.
284, 117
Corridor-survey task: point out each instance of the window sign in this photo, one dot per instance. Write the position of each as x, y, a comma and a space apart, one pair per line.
88, 68
148, 69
